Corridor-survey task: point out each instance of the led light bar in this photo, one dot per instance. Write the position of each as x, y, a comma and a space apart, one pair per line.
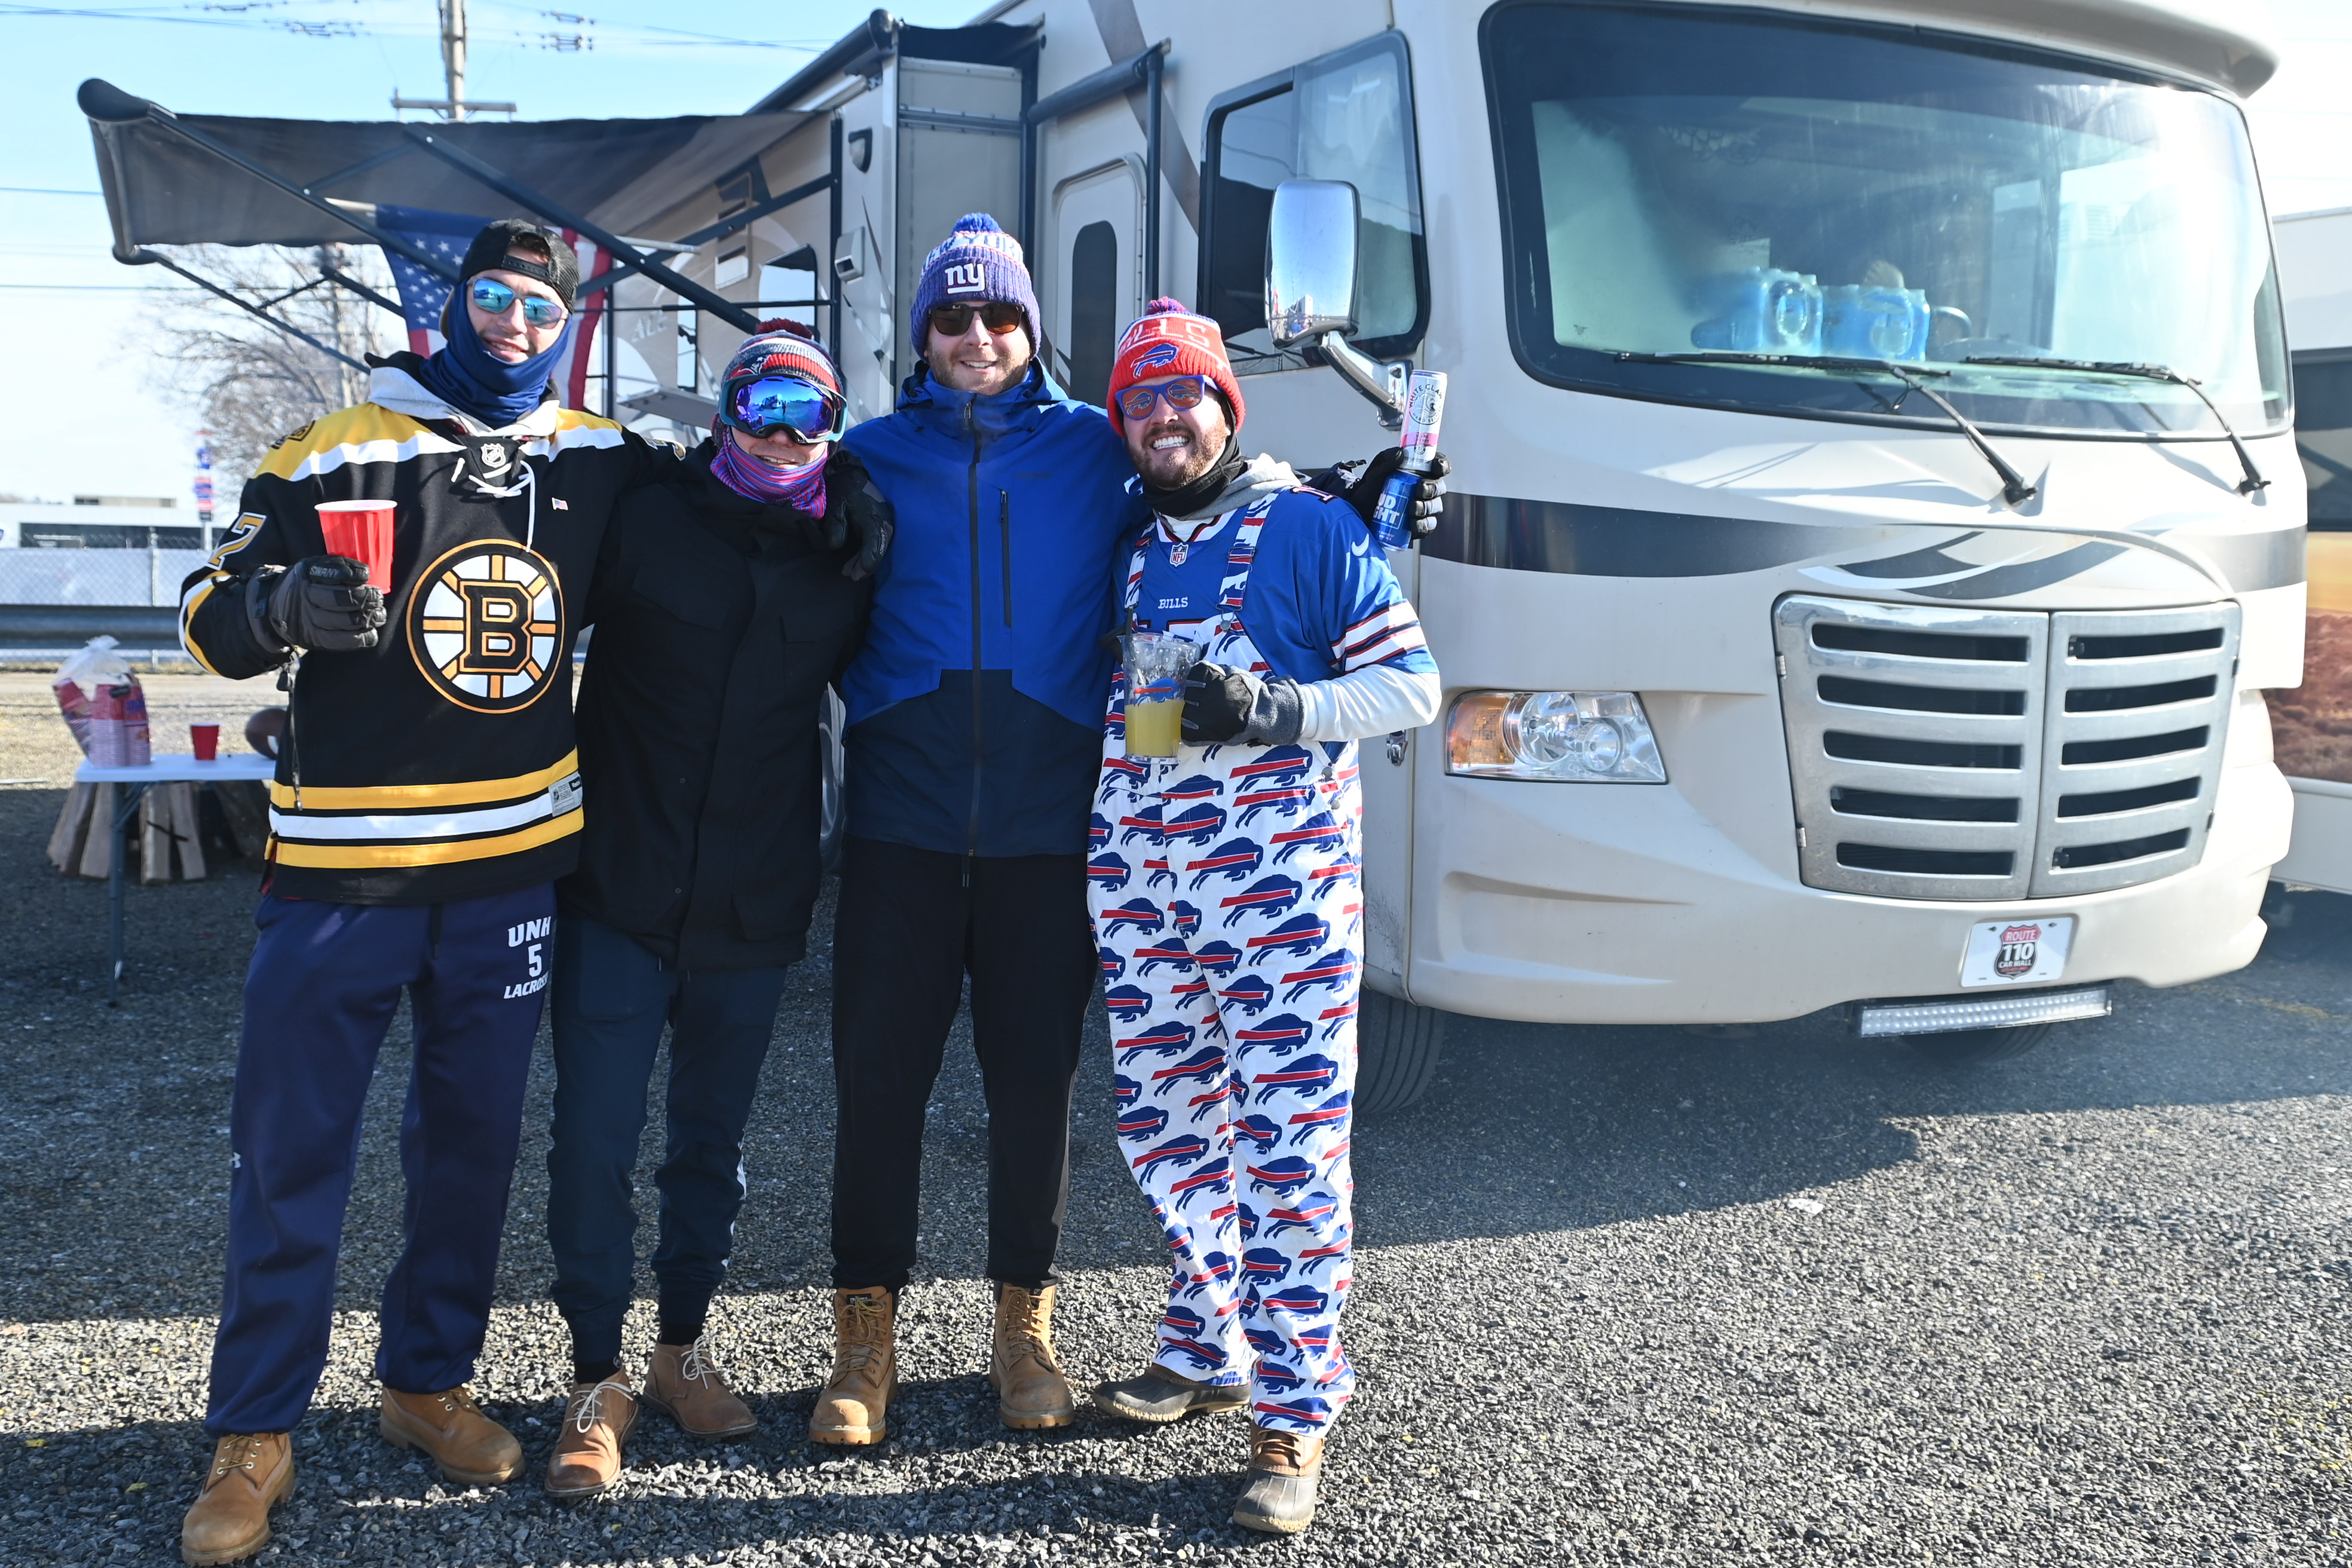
1881, 1020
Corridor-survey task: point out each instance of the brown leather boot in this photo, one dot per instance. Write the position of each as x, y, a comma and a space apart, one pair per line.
451, 1430
1278, 1495
597, 1418
687, 1383
1031, 1392
852, 1407
230, 1518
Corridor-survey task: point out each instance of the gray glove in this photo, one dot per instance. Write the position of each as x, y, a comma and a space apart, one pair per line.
1223, 703
322, 604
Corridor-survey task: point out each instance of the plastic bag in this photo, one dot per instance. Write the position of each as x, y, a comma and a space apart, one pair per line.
104, 706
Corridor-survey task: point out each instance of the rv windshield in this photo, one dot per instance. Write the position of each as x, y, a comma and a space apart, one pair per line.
1682, 181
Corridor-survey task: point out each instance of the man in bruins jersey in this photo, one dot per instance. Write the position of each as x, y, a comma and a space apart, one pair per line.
427, 795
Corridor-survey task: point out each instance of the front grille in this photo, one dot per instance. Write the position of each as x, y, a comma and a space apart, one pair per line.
1995, 755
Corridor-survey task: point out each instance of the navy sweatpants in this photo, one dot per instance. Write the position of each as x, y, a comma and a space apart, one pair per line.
318, 999
611, 999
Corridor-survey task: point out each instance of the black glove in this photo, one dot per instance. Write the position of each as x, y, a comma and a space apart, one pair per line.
1223, 703
1359, 484
320, 604
852, 496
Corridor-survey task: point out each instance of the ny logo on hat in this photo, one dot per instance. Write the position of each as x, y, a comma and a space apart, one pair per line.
965, 277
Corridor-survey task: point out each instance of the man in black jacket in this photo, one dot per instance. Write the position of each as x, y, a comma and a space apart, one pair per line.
724, 606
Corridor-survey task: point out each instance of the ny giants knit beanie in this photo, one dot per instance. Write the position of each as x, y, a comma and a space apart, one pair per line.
1169, 340
978, 262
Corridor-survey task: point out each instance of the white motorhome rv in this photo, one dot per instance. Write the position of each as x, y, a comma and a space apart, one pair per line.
1875, 515
2313, 722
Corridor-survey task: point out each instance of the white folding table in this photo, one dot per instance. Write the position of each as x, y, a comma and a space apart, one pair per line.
177, 768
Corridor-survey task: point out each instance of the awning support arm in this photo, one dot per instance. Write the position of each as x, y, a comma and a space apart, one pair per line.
330, 274
145, 257
718, 230
554, 212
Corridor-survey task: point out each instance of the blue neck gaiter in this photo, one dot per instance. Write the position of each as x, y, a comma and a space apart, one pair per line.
470, 378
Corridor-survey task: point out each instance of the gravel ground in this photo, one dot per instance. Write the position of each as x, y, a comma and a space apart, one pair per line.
1623, 1295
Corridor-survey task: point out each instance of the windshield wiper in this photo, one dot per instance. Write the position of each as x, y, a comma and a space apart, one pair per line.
2253, 481
2014, 488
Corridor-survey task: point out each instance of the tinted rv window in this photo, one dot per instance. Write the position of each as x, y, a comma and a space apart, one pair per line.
1347, 116
1094, 313
2322, 432
1737, 185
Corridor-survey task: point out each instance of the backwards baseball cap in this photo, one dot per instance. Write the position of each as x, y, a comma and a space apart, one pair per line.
977, 263
1169, 340
494, 250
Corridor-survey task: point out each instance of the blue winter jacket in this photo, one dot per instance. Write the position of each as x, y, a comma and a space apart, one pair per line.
975, 709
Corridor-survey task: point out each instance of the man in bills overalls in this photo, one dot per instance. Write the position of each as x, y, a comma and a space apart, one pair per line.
1227, 899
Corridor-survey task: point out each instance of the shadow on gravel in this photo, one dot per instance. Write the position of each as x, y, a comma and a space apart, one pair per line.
1546, 1127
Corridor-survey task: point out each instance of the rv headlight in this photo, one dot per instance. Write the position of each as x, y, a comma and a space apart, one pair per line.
1561, 737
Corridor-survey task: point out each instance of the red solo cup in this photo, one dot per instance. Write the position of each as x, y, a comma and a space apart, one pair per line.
361, 530
206, 739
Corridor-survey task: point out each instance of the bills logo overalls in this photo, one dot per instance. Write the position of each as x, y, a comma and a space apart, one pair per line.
1225, 889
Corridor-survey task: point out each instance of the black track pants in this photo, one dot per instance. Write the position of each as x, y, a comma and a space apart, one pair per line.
907, 934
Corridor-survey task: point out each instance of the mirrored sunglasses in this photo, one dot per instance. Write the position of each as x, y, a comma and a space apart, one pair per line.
997, 316
495, 298
1182, 392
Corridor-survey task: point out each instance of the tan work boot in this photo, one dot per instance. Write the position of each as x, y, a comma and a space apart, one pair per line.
687, 1383
450, 1429
1031, 1392
852, 1407
1279, 1496
597, 1418
230, 1518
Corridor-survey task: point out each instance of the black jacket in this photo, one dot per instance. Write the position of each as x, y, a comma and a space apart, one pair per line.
718, 624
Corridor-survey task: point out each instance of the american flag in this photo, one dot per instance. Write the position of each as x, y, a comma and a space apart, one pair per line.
445, 236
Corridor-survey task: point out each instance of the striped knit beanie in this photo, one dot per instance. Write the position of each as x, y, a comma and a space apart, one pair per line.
1169, 340
977, 263
781, 348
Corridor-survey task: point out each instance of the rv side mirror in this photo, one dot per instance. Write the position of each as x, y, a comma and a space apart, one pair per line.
1311, 287
1310, 261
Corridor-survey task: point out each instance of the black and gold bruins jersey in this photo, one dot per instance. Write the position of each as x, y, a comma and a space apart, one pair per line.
438, 764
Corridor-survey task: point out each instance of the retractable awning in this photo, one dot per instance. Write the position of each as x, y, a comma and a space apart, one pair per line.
214, 179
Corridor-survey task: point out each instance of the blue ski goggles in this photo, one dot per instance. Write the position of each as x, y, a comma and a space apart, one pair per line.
786, 405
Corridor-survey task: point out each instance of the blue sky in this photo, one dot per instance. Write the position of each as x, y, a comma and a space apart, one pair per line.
79, 406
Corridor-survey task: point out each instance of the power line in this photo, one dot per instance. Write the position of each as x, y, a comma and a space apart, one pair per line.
46, 191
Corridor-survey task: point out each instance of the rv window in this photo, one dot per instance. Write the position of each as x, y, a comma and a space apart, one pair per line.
2323, 431
1734, 183
1094, 313
1347, 116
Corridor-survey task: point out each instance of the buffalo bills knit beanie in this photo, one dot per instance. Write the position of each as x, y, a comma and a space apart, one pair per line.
976, 264
1169, 340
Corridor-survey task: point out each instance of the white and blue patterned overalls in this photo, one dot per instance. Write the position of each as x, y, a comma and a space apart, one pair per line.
1226, 898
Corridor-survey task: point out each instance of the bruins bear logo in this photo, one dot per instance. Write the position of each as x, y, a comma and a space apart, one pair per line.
486, 626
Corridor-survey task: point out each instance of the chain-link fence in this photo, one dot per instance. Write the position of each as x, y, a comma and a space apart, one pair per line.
52, 601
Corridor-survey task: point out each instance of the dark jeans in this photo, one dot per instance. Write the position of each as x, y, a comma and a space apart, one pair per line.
611, 999
908, 932
324, 983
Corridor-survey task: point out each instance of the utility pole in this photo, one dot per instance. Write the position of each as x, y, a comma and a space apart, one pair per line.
453, 53
452, 69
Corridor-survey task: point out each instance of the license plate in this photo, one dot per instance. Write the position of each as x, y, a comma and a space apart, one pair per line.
2016, 952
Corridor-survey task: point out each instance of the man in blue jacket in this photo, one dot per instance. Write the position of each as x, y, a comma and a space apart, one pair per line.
974, 740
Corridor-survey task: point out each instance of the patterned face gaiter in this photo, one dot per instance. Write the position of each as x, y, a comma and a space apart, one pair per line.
801, 489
